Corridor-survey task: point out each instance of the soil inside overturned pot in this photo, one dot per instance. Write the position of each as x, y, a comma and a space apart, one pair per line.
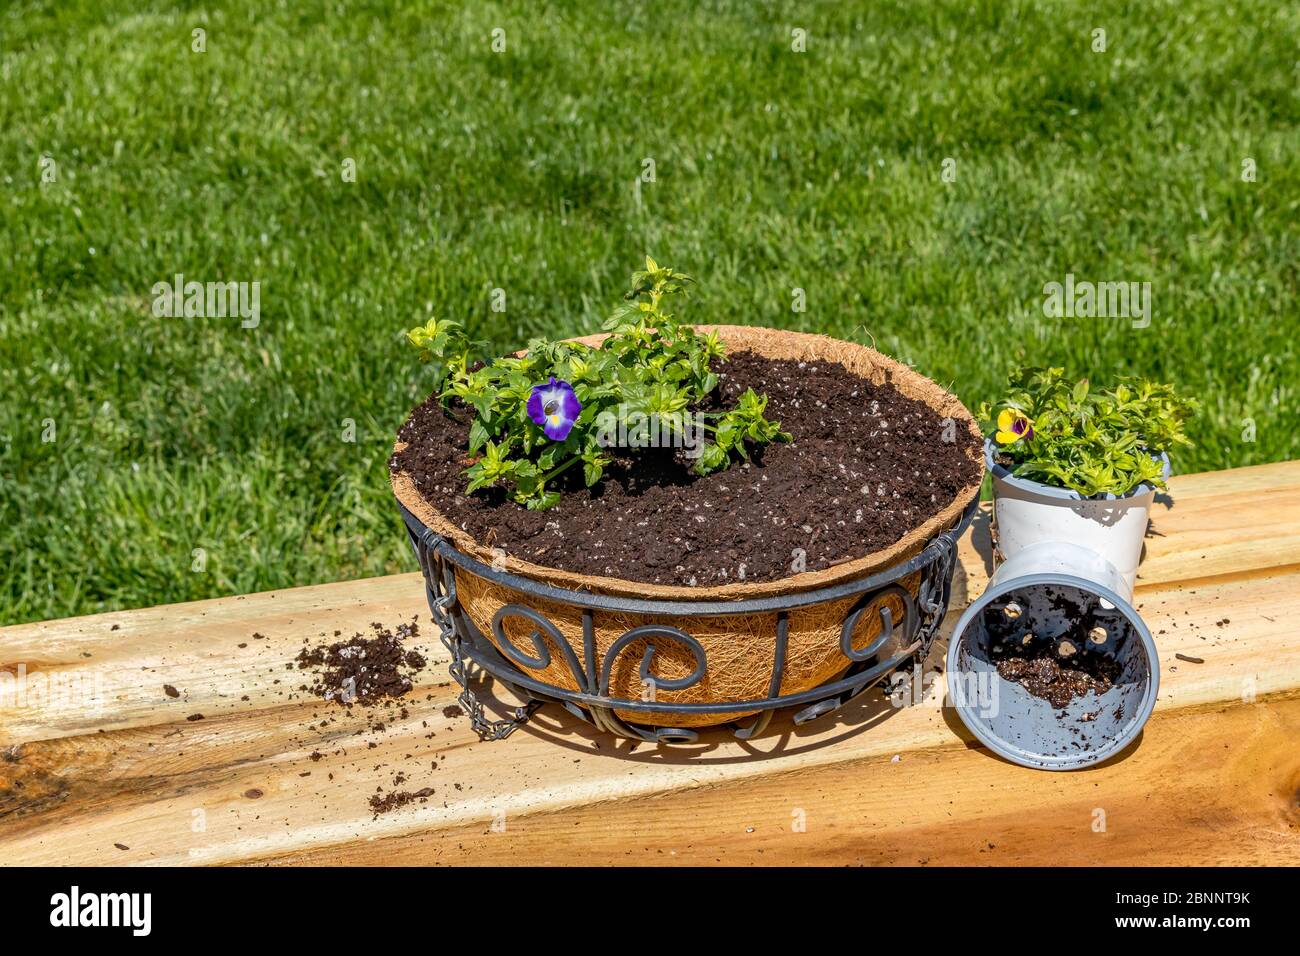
1059, 679
866, 466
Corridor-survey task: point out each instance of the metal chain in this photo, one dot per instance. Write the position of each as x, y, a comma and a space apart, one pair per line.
485, 728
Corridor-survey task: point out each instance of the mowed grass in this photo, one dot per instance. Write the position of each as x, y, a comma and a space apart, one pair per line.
195, 458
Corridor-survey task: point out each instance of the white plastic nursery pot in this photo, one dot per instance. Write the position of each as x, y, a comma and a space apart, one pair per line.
1029, 513
1058, 598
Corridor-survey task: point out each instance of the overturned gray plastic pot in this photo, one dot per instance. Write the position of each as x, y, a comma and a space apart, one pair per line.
1064, 599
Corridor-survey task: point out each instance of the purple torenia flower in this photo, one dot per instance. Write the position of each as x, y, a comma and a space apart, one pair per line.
555, 408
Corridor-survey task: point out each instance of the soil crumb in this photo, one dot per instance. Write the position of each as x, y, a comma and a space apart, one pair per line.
364, 670
386, 802
1057, 680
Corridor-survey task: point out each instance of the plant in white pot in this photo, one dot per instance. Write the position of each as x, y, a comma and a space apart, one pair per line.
1075, 463
1052, 667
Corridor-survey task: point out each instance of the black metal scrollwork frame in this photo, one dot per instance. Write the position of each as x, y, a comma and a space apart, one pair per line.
911, 636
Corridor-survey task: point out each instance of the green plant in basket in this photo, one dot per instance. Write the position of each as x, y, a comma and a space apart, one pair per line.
562, 404
1095, 441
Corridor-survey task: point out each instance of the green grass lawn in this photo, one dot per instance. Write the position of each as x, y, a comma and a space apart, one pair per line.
476, 170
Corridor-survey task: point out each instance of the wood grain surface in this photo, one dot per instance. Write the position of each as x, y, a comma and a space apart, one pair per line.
98, 764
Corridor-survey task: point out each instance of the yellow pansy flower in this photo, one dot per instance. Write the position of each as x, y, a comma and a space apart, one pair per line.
1013, 426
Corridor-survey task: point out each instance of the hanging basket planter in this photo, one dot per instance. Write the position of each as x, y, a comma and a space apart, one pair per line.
659, 661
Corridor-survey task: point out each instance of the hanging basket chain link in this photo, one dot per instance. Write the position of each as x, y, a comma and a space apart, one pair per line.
486, 728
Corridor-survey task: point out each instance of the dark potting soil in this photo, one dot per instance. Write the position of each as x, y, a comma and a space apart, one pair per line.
386, 802
1060, 680
866, 465
364, 670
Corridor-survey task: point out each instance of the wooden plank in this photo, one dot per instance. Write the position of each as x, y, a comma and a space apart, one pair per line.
1164, 804
117, 663
141, 787
121, 764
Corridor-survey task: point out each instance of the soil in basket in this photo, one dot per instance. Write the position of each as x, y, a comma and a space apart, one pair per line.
866, 465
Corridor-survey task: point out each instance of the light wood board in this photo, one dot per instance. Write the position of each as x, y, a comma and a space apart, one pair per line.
95, 757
